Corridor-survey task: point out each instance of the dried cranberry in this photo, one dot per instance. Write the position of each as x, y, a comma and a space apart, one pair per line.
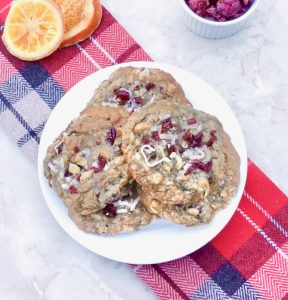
212, 139
204, 167
188, 137
94, 169
171, 149
67, 173
72, 189
212, 12
197, 164
219, 10
76, 149
190, 169
122, 96
228, 8
137, 88
194, 144
110, 211
198, 6
155, 136
166, 125
181, 150
191, 121
101, 162
150, 86
146, 139
197, 140
111, 135
138, 100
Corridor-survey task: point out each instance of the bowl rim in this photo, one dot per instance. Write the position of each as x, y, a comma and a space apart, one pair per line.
242, 18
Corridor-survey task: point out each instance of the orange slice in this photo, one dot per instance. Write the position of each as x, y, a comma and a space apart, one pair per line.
81, 18
33, 29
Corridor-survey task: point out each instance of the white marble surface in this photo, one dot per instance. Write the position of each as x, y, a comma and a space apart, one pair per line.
37, 259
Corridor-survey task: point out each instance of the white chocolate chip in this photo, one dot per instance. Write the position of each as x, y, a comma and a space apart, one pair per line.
85, 176
144, 74
80, 161
193, 212
65, 186
74, 169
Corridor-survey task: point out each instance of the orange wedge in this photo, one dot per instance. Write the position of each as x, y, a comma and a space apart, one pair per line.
33, 29
81, 18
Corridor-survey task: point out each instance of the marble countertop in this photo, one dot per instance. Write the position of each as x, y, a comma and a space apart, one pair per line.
250, 69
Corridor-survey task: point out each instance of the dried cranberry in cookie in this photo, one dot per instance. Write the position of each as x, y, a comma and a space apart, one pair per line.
110, 210
131, 88
177, 154
111, 135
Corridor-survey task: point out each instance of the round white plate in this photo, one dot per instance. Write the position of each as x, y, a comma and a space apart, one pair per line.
161, 241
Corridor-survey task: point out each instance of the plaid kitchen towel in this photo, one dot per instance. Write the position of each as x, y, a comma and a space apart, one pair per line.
247, 260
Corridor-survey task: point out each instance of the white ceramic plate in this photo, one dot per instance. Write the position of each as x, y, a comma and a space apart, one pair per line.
161, 241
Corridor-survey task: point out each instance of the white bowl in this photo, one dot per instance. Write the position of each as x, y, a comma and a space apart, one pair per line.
213, 29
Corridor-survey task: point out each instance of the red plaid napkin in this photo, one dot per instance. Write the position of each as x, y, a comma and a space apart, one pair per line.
248, 260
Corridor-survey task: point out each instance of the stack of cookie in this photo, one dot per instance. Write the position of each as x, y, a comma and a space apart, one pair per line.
140, 151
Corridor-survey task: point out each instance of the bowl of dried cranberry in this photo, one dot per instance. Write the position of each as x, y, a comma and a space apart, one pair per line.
216, 19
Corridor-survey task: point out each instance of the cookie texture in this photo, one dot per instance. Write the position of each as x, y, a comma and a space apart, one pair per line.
204, 210
180, 155
132, 88
86, 161
124, 215
184, 214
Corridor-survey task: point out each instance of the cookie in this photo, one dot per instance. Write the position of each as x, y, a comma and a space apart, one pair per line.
203, 211
179, 155
85, 163
189, 214
132, 88
124, 215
